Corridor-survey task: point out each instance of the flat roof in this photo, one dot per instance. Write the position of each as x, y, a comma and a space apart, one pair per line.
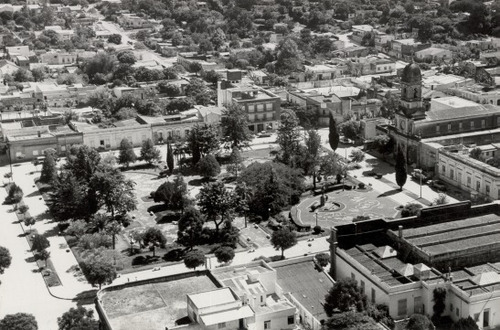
453, 236
151, 306
210, 298
479, 279
314, 284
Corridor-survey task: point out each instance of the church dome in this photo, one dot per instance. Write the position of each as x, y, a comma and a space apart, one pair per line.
411, 74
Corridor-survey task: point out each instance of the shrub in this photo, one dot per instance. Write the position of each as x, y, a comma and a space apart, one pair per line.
317, 230
361, 185
15, 194
411, 209
323, 259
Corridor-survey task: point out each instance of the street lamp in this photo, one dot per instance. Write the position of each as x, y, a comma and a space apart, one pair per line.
419, 171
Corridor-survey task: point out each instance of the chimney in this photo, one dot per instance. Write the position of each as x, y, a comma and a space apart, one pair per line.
333, 251
400, 231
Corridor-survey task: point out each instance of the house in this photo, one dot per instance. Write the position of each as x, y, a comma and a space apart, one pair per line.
62, 33
406, 48
17, 51
400, 263
132, 21
434, 54
263, 107
7, 67
360, 31
58, 57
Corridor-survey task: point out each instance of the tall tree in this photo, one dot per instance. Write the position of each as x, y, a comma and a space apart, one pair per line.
203, 140
333, 134
345, 295
235, 162
194, 259
68, 199
154, 237
400, 168
49, 171
234, 125
149, 152
190, 227
288, 59
283, 239
217, 203
98, 271
78, 318
170, 158
288, 137
313, 147
127, 154
5, 259
419, 322
19, 321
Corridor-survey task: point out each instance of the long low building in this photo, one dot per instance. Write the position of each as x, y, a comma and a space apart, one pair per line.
402, 262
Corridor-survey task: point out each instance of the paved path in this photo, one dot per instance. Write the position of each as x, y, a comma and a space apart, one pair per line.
23, 288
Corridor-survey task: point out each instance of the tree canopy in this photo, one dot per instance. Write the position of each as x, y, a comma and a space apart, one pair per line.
344, 295
19, 321
78, 318
234, 125
5, 259
283, 239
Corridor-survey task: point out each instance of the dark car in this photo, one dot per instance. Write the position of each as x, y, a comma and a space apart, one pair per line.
417, 176
438, 185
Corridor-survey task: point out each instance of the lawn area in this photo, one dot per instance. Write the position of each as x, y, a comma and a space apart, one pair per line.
153, 305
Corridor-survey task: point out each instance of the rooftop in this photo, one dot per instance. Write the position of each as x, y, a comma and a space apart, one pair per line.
314, 283
453, 107
455, 236
214, 297
151, 306
478, 280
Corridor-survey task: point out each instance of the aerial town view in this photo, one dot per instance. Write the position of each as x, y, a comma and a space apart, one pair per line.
250, 165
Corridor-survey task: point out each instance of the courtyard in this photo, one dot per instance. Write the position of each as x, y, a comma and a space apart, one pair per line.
342, 207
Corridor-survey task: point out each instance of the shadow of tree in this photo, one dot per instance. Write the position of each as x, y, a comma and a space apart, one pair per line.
33, 194
175, 254
54, 231
389, 193
157, 208
86, 297
30, 259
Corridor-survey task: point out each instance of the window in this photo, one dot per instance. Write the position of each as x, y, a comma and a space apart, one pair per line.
449, 127
457, 311
261, 299
35, 152
476, 317
472, 124
469, 181
451, 307
487, 189
443, 169
483, 123
373, 295
362, 286
267, 325
101, 143
260, 107
478, 185
437, 128
401, 307
251, 108
460, 125
269, 106
291, 319
452, 174
221, 325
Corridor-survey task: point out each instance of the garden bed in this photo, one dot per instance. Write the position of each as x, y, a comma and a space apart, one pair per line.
47, 269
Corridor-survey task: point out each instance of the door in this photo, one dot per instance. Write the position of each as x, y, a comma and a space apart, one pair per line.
486, 318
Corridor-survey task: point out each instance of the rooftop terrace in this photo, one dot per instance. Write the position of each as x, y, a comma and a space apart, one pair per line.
152, 306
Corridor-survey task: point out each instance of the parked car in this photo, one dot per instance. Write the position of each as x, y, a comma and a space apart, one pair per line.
345, 140
438, 185
417, 176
